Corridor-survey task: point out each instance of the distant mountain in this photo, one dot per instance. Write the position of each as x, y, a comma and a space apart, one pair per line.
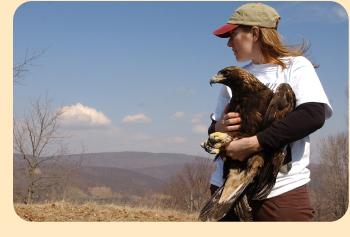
163, 172
120, 181
123, 173
135, 160
130, 160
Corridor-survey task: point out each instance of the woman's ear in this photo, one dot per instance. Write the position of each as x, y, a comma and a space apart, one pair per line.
255, 32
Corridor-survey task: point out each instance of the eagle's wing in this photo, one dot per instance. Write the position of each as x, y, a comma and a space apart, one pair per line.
282, 104
215, 210
267, 178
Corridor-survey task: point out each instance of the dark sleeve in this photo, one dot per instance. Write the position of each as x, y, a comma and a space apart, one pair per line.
211, 129
304, 120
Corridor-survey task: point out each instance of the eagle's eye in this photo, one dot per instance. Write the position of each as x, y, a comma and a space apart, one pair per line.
224, 72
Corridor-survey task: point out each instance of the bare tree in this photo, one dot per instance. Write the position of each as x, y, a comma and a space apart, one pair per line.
22, 68
43, 158
331, 194
347, 103
189, 188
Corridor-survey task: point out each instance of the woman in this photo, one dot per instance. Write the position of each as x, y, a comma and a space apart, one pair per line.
252, 33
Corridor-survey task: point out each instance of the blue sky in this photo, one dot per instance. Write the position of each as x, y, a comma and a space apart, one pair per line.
137, 73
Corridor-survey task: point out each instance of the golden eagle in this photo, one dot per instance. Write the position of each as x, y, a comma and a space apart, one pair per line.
259, 108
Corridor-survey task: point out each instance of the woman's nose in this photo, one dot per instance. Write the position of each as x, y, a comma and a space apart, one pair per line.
229, 43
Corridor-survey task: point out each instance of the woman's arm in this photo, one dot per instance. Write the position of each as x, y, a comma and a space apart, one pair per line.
304, 120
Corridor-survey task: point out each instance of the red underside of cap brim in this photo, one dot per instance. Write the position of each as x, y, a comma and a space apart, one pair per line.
224, 31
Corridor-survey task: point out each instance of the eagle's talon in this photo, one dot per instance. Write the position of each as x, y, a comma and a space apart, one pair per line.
216, 142
208, 148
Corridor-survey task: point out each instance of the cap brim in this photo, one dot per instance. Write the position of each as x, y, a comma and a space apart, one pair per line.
224, 31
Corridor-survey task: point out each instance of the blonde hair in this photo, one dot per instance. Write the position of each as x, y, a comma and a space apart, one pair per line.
273, 48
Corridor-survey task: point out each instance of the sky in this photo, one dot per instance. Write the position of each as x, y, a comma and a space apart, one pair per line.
136, 74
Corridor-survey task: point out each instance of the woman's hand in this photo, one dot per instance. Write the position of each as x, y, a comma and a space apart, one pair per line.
237, 149
228, 122
243, 148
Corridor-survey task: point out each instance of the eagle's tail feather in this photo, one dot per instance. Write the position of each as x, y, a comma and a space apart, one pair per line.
243, 210
208, 207
224, 207
265, 190
234, 189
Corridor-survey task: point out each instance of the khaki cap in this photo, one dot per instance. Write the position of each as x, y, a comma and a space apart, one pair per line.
251, 14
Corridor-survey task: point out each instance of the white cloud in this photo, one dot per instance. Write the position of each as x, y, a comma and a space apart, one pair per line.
140, 136
80, 116
178, 139
339, 14
122, 139
315, 11
192, 92
200, 129
138, 118
183, 90
112, 131
178, 115
189, 118
196, 118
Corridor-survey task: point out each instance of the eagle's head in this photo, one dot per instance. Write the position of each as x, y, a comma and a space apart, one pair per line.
234, 77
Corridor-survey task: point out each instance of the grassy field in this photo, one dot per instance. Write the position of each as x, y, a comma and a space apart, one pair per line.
92, 212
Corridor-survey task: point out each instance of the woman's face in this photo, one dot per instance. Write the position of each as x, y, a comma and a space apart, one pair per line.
243, 45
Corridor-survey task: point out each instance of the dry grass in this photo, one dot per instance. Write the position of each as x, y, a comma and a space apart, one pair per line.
92, 212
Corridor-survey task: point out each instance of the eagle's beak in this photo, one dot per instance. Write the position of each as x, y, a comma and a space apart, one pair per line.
213, 80
216, 79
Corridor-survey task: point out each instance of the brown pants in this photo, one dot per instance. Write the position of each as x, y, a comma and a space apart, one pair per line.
294, 205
